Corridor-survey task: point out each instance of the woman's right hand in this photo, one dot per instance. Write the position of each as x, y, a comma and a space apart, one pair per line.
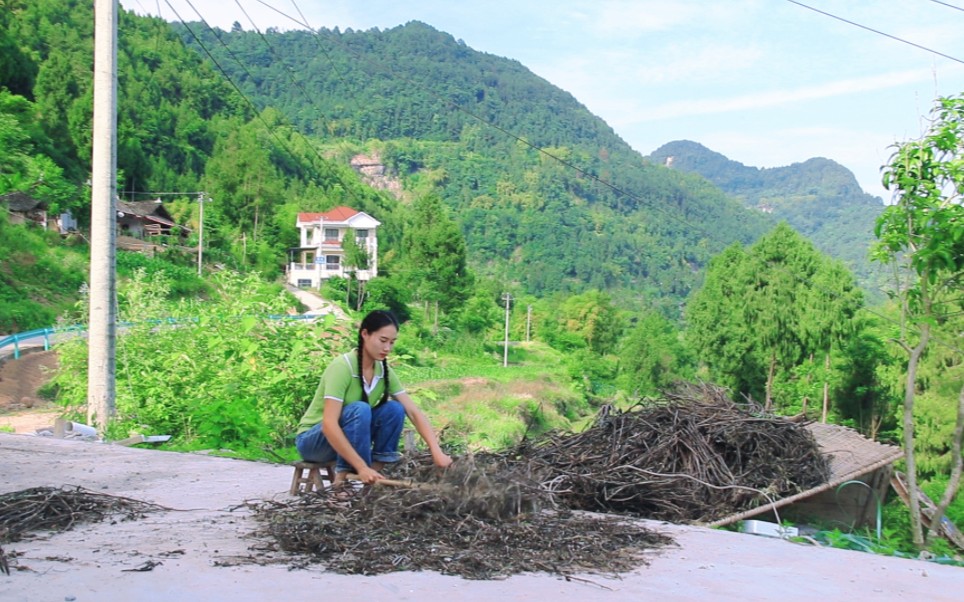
369, 475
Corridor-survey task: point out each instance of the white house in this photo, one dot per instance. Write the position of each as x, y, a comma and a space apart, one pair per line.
321, 254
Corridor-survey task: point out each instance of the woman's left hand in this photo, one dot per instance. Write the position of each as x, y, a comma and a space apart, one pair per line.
442, 459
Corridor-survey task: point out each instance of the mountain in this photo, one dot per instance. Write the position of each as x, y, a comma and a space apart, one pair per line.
819, 198
545, 192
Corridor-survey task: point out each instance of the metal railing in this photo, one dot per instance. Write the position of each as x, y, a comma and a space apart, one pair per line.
21, 339
34, 338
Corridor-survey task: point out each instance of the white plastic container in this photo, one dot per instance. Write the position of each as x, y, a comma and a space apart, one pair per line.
82, 429
767, 529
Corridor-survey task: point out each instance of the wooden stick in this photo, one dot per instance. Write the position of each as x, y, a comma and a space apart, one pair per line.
388, 482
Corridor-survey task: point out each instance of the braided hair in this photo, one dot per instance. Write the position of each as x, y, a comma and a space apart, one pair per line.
374, 321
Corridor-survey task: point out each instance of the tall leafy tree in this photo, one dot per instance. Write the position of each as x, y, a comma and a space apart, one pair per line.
17, 71
762, 313
715, 328
924, 231
434, 257
865, 396
356, 258
651, 355
594, 318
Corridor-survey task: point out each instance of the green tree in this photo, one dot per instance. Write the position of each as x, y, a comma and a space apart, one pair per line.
594, 318
651, 356
17, 71
864, 397
356, 258
923, 232
435, 256
715, 328
763, 313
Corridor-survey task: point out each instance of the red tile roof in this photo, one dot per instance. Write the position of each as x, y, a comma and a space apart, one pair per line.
338, 214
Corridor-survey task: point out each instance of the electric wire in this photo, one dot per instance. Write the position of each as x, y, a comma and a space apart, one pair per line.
289, 72
706, 233
257, 113
617, 190
254, 109
877, 31
568, 164
949, 5
271, 131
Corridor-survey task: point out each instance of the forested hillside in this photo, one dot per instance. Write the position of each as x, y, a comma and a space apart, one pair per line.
545, 192
630, 276
819, 198
181, 128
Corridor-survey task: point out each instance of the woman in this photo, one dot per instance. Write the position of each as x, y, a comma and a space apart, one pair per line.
359, 408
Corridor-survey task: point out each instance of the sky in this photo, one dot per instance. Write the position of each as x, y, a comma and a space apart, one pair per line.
767, 83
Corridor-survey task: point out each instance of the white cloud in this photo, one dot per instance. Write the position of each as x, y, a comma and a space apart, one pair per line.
706, 106
689, 63
636, 18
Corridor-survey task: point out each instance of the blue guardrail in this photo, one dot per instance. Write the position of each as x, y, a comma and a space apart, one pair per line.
15, 340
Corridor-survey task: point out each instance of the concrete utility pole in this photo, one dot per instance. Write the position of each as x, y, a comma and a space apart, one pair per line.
505, 347
102, 334
200, 231
528, 323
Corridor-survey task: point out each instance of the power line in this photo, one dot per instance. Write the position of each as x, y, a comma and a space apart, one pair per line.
271, 131
288, 70
877, 31
619, 191
948, 5
451, 104
593, 177
254, 109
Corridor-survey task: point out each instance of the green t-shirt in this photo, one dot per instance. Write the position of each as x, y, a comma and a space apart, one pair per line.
341, 382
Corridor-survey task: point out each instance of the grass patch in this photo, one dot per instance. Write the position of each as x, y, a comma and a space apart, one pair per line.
477, 404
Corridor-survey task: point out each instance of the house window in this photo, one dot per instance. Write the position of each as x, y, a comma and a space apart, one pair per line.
332, 262
304, 283
309, 257
331, 233
361, 234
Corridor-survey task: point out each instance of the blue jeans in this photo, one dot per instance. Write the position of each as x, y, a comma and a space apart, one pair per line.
373, 432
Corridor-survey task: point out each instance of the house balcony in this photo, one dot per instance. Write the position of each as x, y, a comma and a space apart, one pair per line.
311, 275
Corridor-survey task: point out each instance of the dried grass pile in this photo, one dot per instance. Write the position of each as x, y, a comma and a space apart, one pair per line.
478, 522
692, 455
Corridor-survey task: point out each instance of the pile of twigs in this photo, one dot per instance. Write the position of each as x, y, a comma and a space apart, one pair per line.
471, 520
693, 455
51, 509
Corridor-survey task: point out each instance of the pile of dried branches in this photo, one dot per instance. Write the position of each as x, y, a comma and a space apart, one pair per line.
479, 522
52, 509
693, 455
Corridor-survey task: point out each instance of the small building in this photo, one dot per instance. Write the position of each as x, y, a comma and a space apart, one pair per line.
143, 219
321, 254
24, 209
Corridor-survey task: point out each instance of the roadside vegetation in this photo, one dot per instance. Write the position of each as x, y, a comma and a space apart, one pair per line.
614, 291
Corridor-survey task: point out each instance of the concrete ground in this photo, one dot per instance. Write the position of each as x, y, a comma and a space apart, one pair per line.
204, 546
317, 306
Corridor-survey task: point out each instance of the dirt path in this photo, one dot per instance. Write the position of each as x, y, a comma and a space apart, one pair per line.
21, 378
21, 408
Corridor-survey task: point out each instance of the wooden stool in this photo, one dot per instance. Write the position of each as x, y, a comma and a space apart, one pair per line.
307, 477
